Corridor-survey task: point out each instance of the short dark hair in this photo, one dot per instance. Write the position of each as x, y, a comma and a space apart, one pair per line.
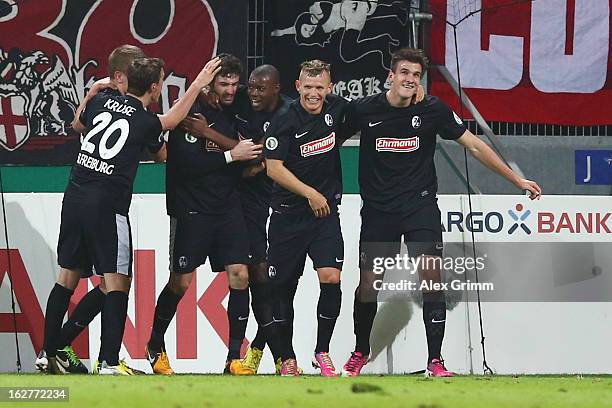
230, 65
142, 73
413, 55
315, 67
121, 58
266, 70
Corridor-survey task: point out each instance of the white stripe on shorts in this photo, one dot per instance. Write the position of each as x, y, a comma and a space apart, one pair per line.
123, 244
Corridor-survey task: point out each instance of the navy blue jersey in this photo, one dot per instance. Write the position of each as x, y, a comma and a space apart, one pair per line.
198, 180
309, 147
119, 128
397, 146
256, 191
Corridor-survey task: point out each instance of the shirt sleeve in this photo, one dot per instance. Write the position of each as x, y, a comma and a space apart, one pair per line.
451, 125
348, 124
278, 139
189, 156
156, 136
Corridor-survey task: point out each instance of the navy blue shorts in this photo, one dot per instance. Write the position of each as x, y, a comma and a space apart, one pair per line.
94, 239
194, 238
382, 232
292, 236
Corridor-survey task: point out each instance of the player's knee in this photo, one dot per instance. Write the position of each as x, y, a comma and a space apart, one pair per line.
366, 292
328, 275
429, 268
102, 286
179, 283
258, 273
238, 276
367, 277
69, 278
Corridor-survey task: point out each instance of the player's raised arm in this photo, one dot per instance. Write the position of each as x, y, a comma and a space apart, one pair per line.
484, 154
179, 110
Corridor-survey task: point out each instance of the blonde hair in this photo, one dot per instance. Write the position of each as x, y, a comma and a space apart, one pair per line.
314, 68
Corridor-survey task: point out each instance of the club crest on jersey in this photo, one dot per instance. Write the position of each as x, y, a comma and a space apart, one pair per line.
271, 271
328, 119
416, 122
212, 147
266, 125
390, 144
189, 138
318, 146
271, 143
457, 119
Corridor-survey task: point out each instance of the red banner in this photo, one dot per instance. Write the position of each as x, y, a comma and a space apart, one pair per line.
52, 51
532, 62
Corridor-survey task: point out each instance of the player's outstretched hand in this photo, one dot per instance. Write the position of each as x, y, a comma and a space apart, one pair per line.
534, 190
318, 204
195, 125
207, 74
208, 98
246, 150
101, 84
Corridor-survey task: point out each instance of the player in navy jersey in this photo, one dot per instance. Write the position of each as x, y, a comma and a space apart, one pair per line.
398, 185
91, 304
252, 120
206, 219
303, 159
94, 231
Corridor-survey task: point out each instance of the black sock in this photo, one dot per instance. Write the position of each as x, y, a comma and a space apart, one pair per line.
164, 313
238, 316
260, 292
434, 317
87, 309
102, 314
328, 310
57, 305
115, 312
363, 318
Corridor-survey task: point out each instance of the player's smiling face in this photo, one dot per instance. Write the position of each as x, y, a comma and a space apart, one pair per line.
406, 79
313, 90
263, 93
225, 87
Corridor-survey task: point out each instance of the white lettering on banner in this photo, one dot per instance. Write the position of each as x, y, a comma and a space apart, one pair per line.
357, 88
390, 144
318, 146
175, 81
584, 70
501, 67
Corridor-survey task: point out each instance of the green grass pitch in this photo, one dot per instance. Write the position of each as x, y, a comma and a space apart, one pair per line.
311, 391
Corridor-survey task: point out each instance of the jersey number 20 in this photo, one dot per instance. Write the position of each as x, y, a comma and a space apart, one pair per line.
101, 122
